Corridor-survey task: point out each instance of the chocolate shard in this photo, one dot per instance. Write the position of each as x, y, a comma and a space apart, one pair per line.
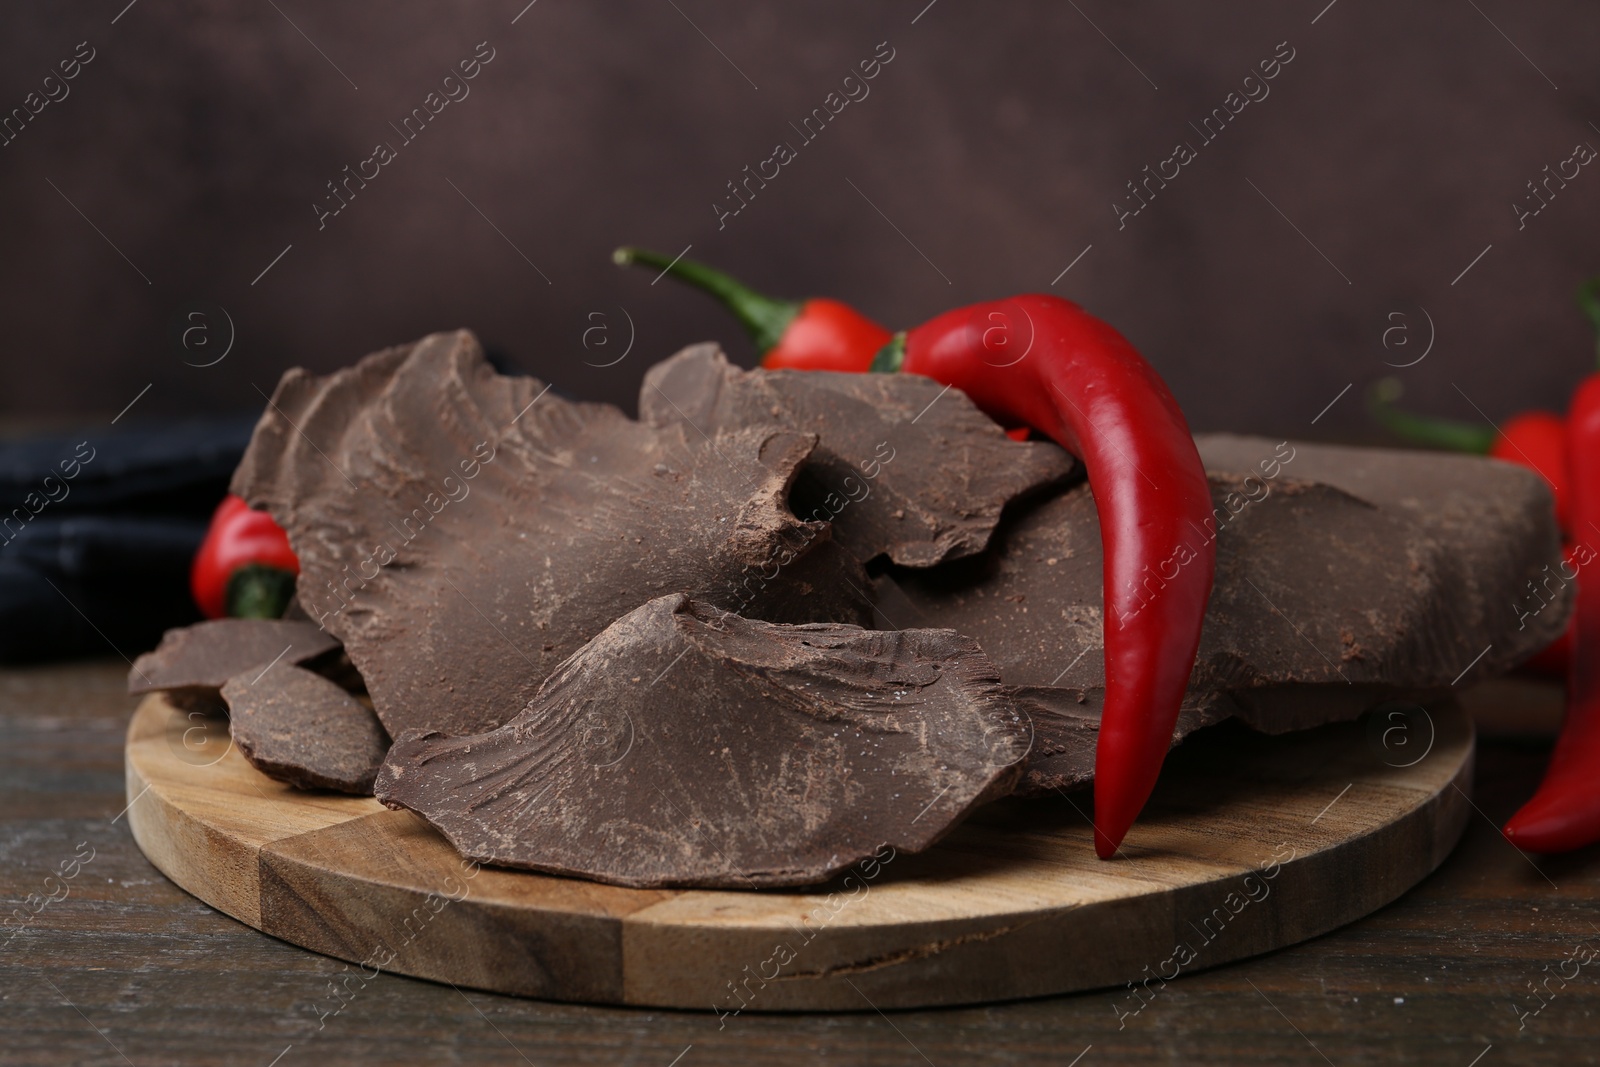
303, 729
1065, 727
463, 532
193, 662
687, 746
1345, 576
902, 466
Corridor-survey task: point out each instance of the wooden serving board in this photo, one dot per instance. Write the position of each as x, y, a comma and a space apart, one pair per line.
1251, 843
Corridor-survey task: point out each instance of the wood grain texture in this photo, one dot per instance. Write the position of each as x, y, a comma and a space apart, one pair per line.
1250, 844
204, 822
130, 959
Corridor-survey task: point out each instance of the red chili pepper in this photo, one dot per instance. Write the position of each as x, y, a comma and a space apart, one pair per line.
1088, 389
815, 334
245, 567
1565, 812
1538, 440
1555, 657
1043, 362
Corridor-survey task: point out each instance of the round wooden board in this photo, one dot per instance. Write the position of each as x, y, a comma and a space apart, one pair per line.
1251, 843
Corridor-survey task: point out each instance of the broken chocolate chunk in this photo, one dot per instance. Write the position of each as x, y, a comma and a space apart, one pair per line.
1345, 576
463, 532
686, 746
1066, 729
303, 729
193, 662
903, 466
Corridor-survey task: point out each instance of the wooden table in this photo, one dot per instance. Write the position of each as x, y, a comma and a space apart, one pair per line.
127, 968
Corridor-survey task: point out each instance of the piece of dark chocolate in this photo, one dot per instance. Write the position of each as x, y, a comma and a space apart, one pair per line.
1065, 727
463, 532
686, 746
193, 662
903, 466
1344, 577
303, 729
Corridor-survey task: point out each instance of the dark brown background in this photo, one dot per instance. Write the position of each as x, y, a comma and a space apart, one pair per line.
1397, 141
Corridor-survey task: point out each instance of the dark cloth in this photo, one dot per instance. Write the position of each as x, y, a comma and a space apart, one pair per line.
97, 531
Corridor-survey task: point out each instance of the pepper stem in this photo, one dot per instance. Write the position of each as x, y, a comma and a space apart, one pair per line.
1440, 433
1589, 301
891, 357
763, 316
257, 591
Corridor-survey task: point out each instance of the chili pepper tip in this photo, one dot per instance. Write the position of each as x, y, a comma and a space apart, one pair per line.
1558, 819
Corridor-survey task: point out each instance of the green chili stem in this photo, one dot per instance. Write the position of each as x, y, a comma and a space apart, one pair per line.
891, 357
763, 316
1440, 433
257, 591
1589, 301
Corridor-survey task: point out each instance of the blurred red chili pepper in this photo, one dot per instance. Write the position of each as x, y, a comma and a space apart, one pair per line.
245, 567
815, 334
1045, 363
1565, 812
1554, 658
1538, 440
